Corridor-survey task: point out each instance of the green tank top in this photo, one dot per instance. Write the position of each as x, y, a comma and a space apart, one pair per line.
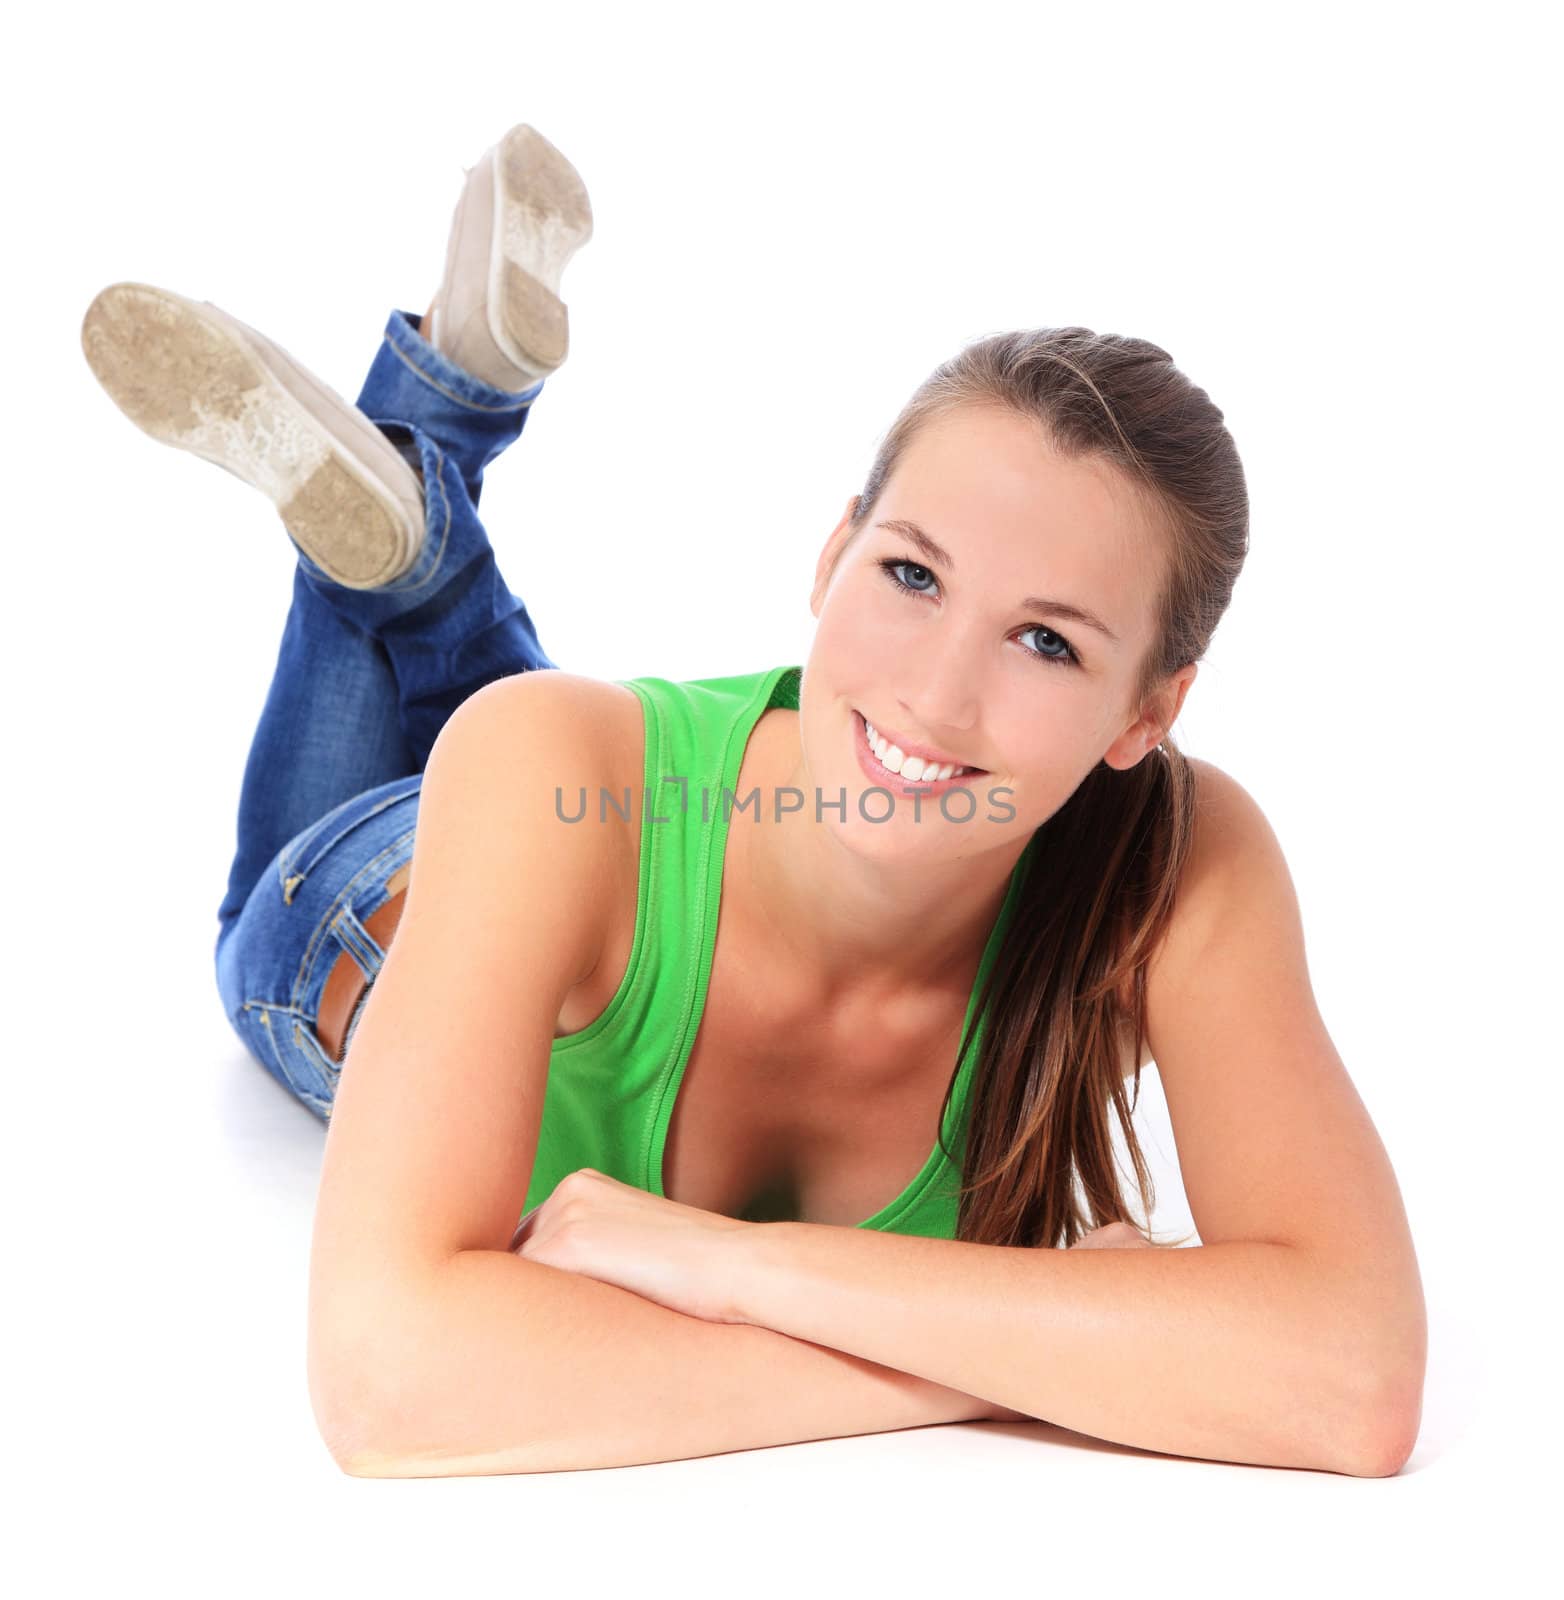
612, 1085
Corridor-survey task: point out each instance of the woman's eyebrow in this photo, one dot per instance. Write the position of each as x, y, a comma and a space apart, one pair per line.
937, 553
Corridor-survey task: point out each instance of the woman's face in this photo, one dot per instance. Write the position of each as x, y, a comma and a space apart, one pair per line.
962, 661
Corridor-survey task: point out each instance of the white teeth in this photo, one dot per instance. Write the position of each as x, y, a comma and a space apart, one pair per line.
914, 768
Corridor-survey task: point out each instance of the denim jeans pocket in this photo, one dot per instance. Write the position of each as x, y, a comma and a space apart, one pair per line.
285, 1044
306, 912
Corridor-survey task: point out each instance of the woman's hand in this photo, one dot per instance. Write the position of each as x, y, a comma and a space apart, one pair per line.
678, 1255
1114, 1236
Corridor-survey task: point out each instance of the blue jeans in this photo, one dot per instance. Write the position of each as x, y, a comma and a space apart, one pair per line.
364, 681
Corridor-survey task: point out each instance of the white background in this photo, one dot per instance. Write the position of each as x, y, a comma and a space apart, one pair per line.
1334, 218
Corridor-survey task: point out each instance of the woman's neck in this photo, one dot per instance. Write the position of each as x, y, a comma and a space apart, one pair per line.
841, 924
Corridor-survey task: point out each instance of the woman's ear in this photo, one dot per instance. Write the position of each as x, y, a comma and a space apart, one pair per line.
1147, 731
830, 555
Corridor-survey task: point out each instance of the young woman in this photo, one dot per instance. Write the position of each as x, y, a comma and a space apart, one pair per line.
785, 1010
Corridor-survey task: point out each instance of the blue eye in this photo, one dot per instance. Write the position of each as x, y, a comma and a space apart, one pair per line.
1068, 659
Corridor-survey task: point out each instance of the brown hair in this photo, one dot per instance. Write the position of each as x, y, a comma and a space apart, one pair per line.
1098, 893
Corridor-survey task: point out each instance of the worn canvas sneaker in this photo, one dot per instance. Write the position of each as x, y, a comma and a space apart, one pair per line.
523, 213
194, 377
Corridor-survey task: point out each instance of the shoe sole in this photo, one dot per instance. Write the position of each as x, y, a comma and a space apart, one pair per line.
191, 376
542, 217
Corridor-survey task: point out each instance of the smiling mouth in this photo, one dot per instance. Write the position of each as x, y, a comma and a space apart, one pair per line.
879, 750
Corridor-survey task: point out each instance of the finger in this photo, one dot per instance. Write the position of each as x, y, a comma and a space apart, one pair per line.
523, 1229
1113, 1236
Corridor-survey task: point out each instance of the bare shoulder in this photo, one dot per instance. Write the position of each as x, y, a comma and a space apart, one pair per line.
576, 729
521, 750
580, 729
1235, 876
1232, 850
1232, 837
591, 706
569, 739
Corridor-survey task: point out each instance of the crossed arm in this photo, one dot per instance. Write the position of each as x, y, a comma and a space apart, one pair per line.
1294, 1336
1247, 1350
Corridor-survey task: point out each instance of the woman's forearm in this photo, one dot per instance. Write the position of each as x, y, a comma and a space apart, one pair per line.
508, 1365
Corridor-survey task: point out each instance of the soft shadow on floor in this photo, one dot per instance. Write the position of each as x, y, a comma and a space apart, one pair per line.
271, 1139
